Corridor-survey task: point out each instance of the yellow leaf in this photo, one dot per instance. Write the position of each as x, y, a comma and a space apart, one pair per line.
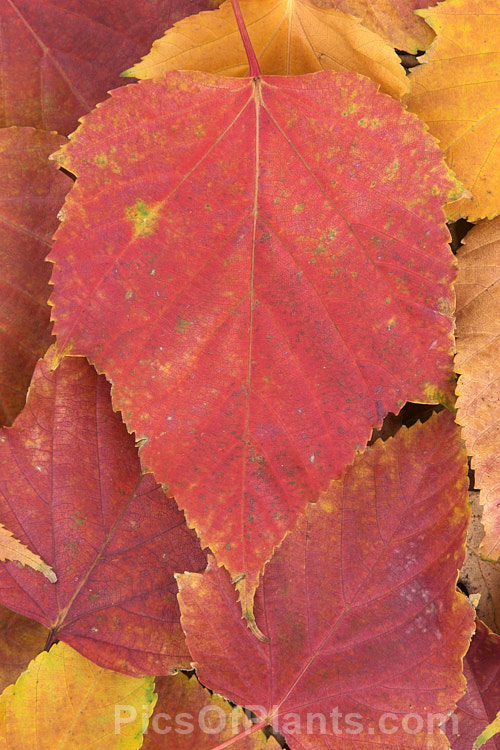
457, 93
289, 37
65, 701
12, 549
478, 354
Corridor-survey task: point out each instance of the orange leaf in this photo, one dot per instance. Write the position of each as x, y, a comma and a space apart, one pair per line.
457, 93
289, 37
394, 20
478, 354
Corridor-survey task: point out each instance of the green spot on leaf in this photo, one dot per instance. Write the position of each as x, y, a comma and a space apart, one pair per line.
144, 218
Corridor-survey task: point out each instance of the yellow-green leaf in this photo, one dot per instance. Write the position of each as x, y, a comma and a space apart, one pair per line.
489, 732
67, 702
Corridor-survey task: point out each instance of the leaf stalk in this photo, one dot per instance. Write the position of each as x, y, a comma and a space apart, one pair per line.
253, 63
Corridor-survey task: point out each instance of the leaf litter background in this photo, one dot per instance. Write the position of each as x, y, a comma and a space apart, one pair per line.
46, 59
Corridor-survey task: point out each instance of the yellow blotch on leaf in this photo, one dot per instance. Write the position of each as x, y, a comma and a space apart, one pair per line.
457, 93
65, 701
144, 217
290, 37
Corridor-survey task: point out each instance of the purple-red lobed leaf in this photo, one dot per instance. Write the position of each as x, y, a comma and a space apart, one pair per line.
60, 58
71, 488
359, 603
260, 268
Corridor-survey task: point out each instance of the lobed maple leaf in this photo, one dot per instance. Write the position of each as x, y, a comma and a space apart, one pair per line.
194, 719
394, 20
72, 489
31, 193
359, 604
456, 92
237, 258
478, 353
481, 701
59, 58
65, 701
289, 37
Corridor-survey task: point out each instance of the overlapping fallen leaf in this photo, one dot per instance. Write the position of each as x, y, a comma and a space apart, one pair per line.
60, 58
359, 602
457, 92
12, 549
188, 717
72, 489
479, 705
289, 37
236, 258
478, 355
21, 639
65, 701
31, 193
481, 577
394, 20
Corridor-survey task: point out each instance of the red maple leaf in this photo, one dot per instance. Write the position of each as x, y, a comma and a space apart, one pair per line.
72, 490
366, 627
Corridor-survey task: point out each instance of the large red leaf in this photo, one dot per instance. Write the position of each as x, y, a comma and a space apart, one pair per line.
359, 603
59, 58
32, 191
481, 702
71, 488
261, 269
